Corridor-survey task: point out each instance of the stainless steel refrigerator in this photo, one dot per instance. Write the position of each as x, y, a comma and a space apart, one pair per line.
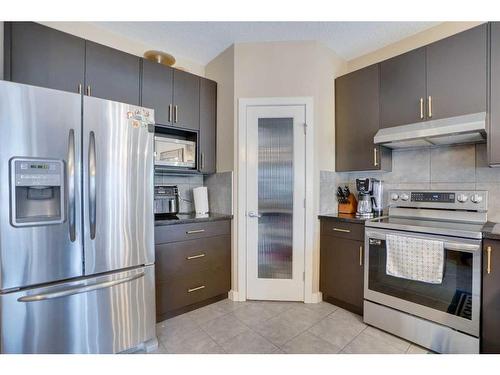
76, 223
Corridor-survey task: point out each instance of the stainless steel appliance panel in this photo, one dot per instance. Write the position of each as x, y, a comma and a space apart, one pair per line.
395, 288
105, 314
118, 185
40, 123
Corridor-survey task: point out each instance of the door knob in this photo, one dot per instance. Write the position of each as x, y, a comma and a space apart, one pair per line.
254, 214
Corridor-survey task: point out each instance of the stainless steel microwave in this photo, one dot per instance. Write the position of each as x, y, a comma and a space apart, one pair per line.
173, 152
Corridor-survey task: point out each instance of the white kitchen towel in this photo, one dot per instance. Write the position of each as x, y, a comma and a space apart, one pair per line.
200, 195
415, 259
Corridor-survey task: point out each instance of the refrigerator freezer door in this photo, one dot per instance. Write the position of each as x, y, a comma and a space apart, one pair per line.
118, 185
104, 314
38, 124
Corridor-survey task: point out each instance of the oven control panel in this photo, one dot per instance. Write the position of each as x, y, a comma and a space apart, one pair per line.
453, 200
433, 197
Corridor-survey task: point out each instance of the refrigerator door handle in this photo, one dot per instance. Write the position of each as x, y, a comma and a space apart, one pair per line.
79, 289
71, 186
92, 185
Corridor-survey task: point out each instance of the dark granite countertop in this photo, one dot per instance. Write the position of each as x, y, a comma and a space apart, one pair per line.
490, 231
192, 218
348, 218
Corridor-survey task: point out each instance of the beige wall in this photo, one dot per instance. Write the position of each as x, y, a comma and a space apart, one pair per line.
221, 70
423, 38
101, 35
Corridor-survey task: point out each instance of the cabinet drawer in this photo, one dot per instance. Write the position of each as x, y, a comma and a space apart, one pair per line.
342, 229
188, 257
184, 232
185, 290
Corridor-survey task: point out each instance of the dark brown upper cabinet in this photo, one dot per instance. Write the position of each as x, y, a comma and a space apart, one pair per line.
402, 89
111, 74
490, 305
444, 79
208, 125
41, 56
457, 74
157, 90
186, 100
357, 121
494, 107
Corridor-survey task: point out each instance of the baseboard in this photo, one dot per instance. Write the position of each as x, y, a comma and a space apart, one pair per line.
233, 295
314, 298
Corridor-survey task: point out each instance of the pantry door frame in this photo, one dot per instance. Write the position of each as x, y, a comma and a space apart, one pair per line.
240, 292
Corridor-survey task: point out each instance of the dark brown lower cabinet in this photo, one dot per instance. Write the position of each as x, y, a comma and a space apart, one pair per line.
191, 273
342, 271
490, 306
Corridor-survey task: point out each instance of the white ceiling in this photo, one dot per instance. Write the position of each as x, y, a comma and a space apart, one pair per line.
202, 41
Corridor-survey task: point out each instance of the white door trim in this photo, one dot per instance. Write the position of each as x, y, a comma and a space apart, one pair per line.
241, 191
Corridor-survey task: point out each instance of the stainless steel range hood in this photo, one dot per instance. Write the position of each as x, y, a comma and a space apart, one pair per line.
453, 130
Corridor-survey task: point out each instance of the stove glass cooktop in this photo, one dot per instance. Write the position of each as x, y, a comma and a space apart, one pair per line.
445, 228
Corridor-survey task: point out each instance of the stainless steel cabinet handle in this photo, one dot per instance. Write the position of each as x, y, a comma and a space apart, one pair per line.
341, 230
254, 214
488, 262
202, 160
79, 289
361, 255
88, 91
176, 112
170, 113
79, 88
195, 231
430, 106
421, 108
375, 161
197, 288
196, 256
71, 185
92, 185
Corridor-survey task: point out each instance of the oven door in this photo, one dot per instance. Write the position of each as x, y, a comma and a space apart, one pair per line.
454, 303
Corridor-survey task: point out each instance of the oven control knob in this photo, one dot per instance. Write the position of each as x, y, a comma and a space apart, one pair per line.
405, 197
394, 196
476, 198
462, 198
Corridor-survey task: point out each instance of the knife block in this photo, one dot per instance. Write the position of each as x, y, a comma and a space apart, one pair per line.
350, 207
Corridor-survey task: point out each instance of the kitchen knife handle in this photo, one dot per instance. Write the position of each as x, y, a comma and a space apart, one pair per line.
92, 185
488, 262
71, 185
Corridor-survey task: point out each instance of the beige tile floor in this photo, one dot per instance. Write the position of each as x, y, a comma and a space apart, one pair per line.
275, 327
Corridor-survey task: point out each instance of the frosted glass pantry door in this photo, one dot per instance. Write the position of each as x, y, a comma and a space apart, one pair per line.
275, 202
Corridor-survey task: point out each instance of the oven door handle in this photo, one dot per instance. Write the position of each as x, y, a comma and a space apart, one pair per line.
456, 246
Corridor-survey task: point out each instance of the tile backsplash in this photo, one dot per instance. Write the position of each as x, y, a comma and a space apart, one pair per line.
220, 187
446, 167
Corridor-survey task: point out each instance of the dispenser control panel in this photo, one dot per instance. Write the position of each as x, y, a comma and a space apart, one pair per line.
37, 192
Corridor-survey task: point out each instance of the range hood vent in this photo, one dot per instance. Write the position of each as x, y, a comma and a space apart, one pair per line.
453, 130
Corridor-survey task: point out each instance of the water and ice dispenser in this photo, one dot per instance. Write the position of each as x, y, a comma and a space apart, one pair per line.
36, 192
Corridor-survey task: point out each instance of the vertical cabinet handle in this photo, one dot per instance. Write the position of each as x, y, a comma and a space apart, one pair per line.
89, 92
421, 108
361, 255
488, 261
375, 159
430, 106
170, 113
202, 160
176, 112
80, 88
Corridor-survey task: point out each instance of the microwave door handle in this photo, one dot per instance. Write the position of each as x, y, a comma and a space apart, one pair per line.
71, 186
92, 185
